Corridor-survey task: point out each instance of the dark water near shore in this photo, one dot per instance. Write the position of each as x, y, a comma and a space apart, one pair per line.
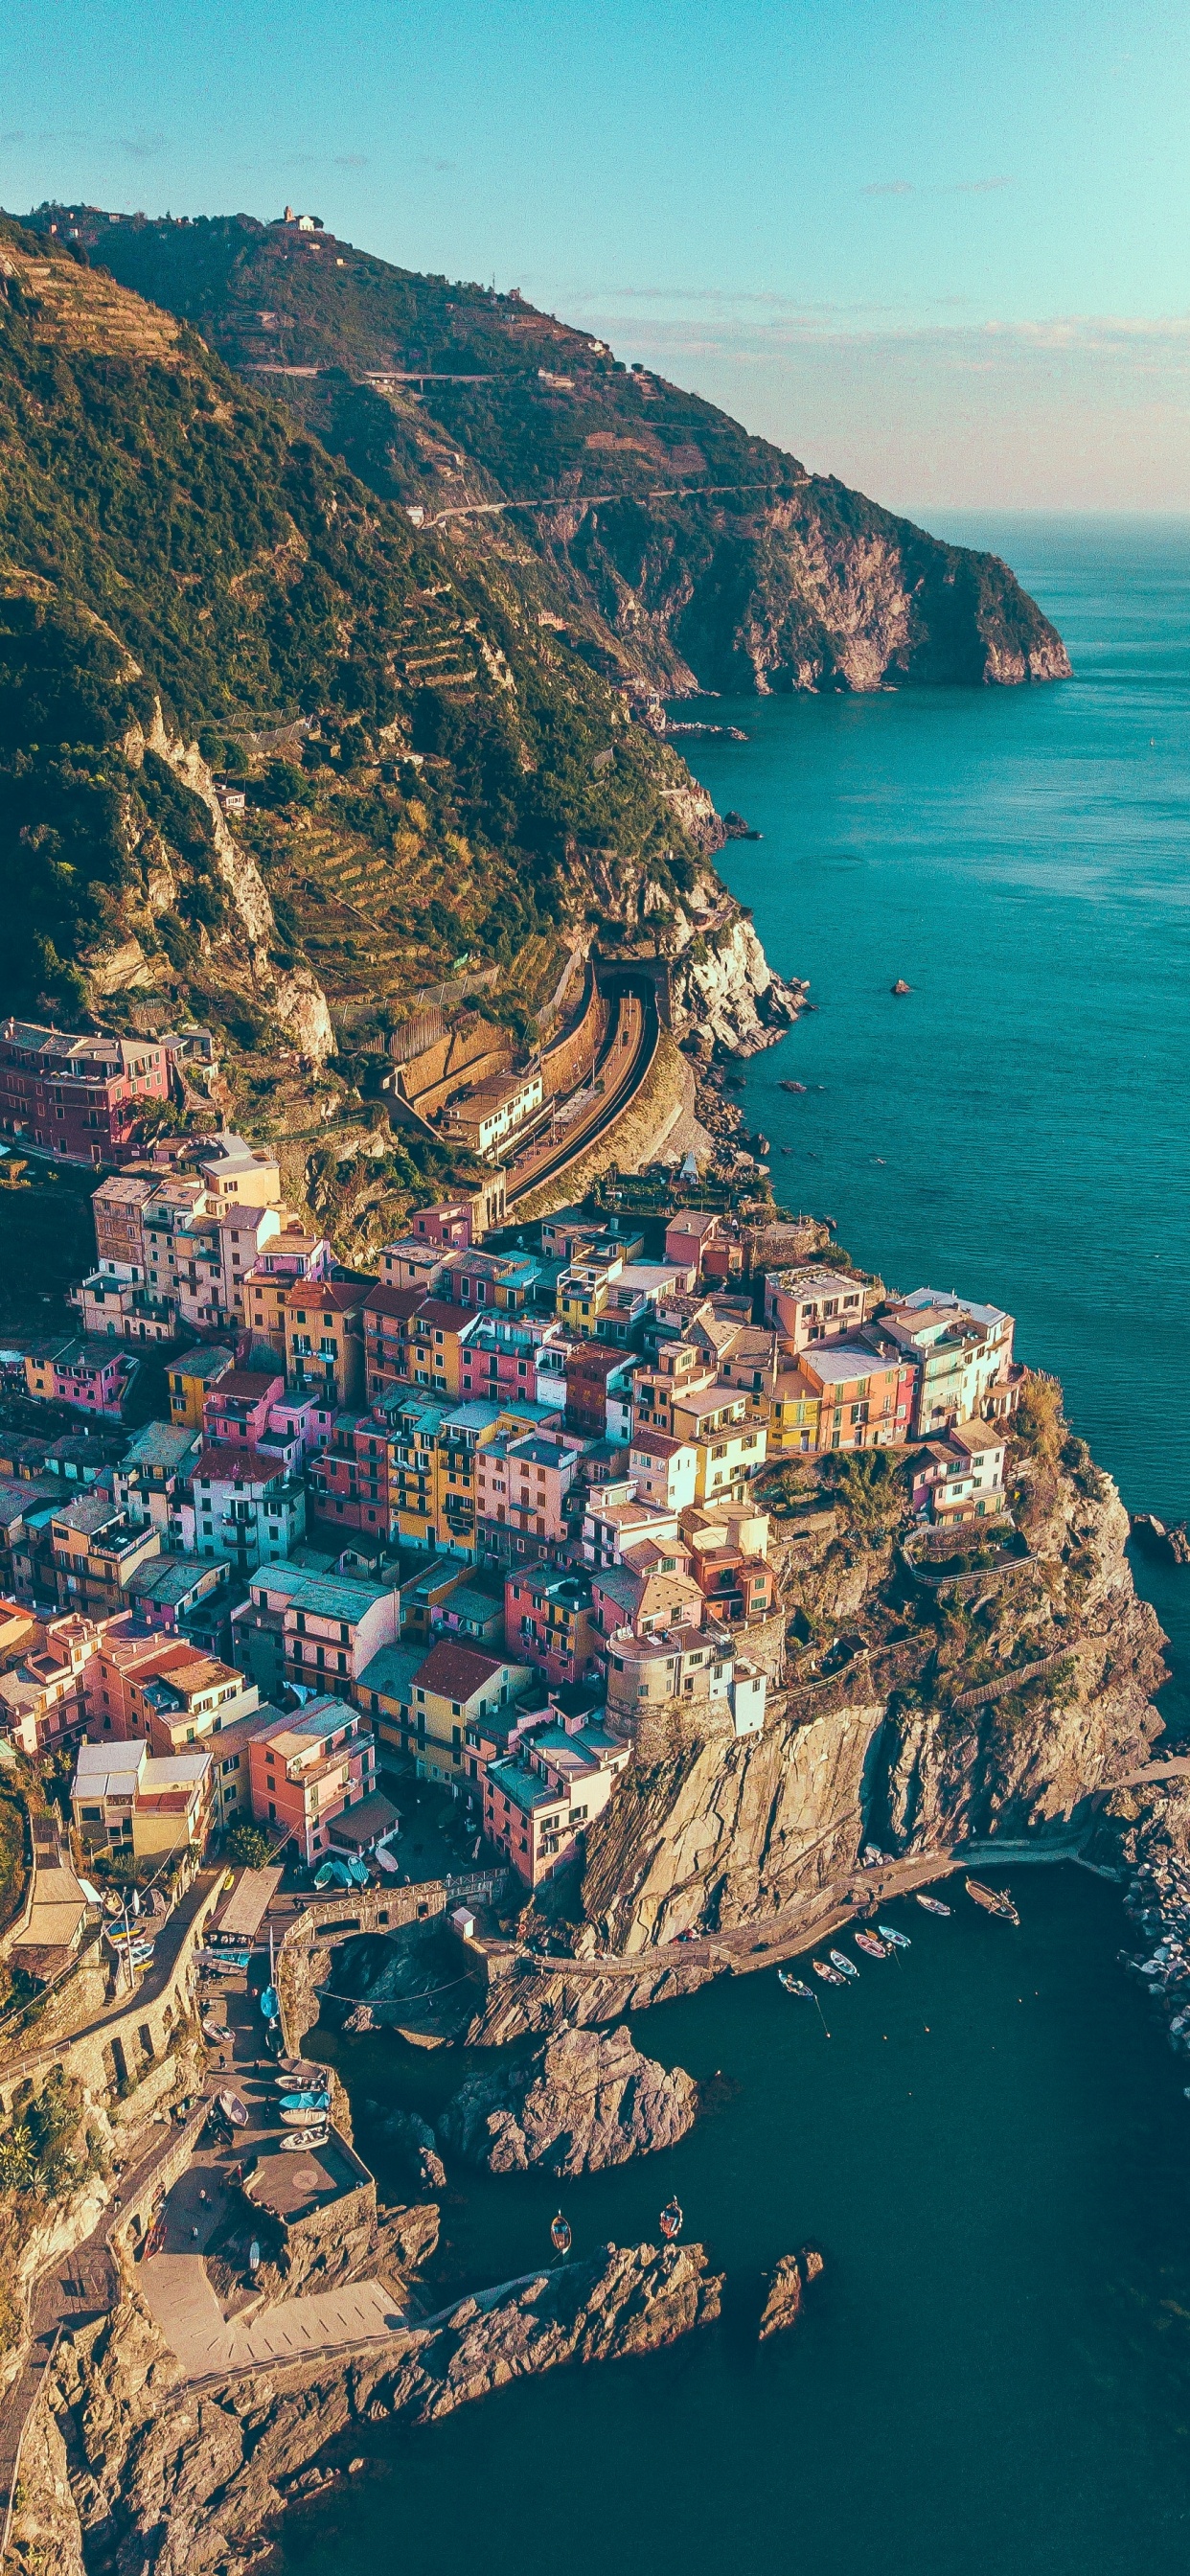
991, 2148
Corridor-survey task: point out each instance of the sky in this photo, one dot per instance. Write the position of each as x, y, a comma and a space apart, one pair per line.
937, 247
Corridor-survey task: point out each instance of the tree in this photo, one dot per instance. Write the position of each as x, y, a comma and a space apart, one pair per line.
248, 1846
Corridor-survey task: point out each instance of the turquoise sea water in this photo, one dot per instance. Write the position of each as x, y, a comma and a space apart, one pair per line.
991, 2148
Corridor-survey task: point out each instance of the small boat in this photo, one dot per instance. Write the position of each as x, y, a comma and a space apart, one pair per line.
871, 1945
305, 2141
302, 2079
270, 2003
895, 1940
933, 1905
829, 1976
795, 1985
994, 1900
791, 1086
670, 2221
233, 2109
306, 2100
560, 2236
313, 2118
217, 2032
845, 1966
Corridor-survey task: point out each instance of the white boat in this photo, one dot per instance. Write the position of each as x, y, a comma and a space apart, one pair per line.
304, 2119
933, 1905
830, 1976
840, 1960
233, 2109
305, 2143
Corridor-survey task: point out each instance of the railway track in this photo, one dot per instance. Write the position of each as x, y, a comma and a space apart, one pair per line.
622, 1067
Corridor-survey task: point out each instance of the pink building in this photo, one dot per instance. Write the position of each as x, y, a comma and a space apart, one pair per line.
449, 1224
80, 1097
525, 1484
310, 1768
236, 1413
94, 1377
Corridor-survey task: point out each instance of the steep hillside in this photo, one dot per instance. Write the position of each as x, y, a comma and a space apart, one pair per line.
685, 553
190, 584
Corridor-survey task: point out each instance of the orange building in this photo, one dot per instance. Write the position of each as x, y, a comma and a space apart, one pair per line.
324, 1338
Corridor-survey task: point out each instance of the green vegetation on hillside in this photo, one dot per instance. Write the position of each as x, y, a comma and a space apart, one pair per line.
170, 538
710, 555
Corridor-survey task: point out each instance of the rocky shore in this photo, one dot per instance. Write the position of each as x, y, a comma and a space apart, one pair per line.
134, 2472
579, 2103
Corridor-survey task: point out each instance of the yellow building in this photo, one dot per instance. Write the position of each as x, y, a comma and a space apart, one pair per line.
324, 1338
432, 1344
454, 1687
793, 1416
583, 1294
191, 1379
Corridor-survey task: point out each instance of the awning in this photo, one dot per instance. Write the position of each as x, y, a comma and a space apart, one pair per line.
364, 1824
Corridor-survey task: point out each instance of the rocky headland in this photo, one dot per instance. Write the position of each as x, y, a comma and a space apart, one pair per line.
133, 2470
918, 1702
576, 2104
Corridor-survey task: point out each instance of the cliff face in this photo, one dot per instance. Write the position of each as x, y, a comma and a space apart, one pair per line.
681, 551
133, 2471
724, 1835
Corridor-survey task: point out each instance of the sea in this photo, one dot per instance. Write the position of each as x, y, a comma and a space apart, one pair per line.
987, 2136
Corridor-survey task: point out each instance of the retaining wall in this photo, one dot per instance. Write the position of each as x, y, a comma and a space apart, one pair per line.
110, 2054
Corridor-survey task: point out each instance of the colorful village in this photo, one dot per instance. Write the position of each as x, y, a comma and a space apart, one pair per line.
474, 1523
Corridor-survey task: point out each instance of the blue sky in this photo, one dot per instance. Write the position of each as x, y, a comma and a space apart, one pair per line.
937, 248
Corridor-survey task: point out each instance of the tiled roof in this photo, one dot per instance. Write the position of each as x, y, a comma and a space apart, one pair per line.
456, 1672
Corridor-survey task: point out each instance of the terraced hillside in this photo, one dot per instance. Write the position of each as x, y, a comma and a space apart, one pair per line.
682, 552
190, 586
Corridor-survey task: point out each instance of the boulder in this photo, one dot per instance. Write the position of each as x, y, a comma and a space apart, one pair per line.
582, 2101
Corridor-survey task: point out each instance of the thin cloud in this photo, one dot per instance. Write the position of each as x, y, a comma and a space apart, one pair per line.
351, 160
943, 188
141, 147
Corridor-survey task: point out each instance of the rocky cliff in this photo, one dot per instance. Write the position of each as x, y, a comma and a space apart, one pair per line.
887, 1747
577, 2104
132, 2471
919, 1703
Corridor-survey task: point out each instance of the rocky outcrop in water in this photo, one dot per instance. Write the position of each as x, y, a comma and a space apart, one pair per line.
416, 2146
583, 2101
784, 2287
186, 2482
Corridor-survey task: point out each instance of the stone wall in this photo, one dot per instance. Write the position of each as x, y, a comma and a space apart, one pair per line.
110, 2054
571, 1059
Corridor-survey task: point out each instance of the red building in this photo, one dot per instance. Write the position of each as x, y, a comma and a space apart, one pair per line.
548, 1622
349, 1481
79, 1097
587, 1372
